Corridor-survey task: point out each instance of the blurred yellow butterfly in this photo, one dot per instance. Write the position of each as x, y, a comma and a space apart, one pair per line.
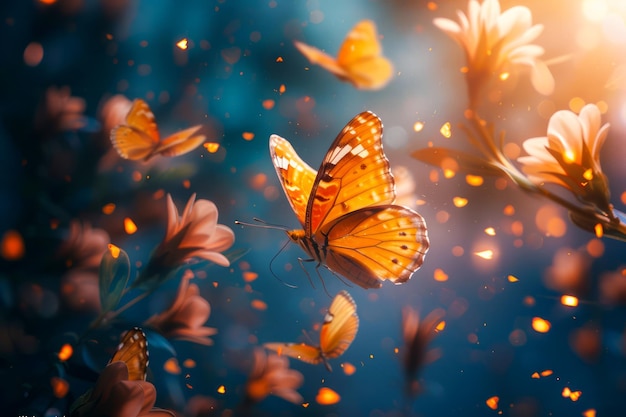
350, 223
359, 59
139, 138
133, 351
338, 331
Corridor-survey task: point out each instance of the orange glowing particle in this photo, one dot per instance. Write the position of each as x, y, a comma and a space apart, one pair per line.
441, 326
509, 210
108, 208
189, 363
186, 184
182, 44
599, 230
547, 372
541, 325
517, 228
158, 194
474, 180
485, 254
136, 175
129, 226
446, 130
504, 76
576, 104
348, 368
12, 245
33, 54
535, 375
249, 276
493, 402
279, 59
268, 104
595, 248
258, 181
171, 366
47, 1
326, 396
66, 352
247, 135
282, 89
464, 70
259, 305
460, 201
221, 389
305, 405
569, 300
211, 147
490, 231
418, 126
439, 275
566, 392
588, 174
432, 6
589, 413
529, 301
512, 278
115, 251
448, 173
60, 387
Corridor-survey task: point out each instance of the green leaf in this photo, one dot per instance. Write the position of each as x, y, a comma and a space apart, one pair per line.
114, 274
468, 163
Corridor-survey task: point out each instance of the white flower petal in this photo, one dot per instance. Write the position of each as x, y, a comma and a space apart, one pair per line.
541, 78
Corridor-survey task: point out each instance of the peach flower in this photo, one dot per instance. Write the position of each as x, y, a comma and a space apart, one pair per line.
60, 111
186, 316
195, 234
271, 375
115, 396
496, 42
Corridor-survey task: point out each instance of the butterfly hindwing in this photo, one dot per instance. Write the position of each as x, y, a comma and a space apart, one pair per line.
377, 243
340, 326
301, 351
321, 58
295, 175
354, 174
181, 142
133, 351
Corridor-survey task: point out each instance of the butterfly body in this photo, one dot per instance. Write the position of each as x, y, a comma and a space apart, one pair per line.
350, 224
139, 138
339, 329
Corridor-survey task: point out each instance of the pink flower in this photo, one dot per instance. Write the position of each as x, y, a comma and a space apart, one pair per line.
271, 375
115, 396
186, 316
113, 112
60, 111
195, 234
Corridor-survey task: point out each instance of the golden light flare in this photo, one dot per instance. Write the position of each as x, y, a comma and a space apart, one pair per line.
221, 389
439, 275
348, 368
446, 130
440, 326
490, 231
588, 174
569, 300
182, 44
12, 246
589, 413
114, 250
247, 135
108, 208
279, 59
460, 202
129, 226
211, 147
572, 395
432, 6
599, 230
546, 373
282, 89
492, 402
327, 396
65, 352
418, 126
541, 325
576, 104
504, 76
306, 405
485, 254
569, 156
512, 278
171, 366
474, 180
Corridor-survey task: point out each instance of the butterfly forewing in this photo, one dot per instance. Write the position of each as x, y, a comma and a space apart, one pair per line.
318, 57
360, 43
295, 175
301, 351
354, 174
141, 118
181, 142
133, 350
340, 326
377, 243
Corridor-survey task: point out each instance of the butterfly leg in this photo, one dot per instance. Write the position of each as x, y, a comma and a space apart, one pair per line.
301, 262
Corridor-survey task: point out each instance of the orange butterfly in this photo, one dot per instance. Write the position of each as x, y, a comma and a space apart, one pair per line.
351, 225
133, 351
139, 138
338, 331
359, 59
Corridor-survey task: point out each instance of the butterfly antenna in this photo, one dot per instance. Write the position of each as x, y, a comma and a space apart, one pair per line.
263, 225
272, 269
